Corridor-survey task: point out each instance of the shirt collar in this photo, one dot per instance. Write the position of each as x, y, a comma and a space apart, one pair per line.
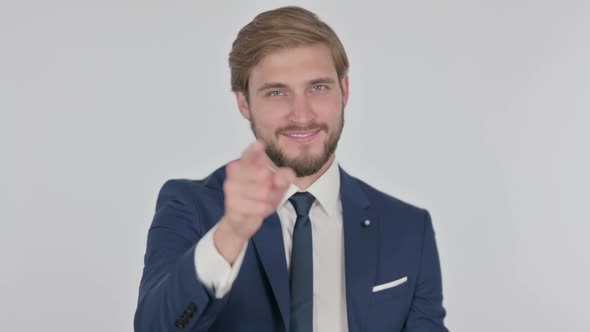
325, 189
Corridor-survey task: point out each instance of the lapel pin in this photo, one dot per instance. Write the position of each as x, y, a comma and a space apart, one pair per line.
366, 223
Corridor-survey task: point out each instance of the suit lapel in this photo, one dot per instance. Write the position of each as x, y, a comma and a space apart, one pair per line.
269, 245
360, 250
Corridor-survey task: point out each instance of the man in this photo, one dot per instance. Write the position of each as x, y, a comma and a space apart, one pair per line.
283, 239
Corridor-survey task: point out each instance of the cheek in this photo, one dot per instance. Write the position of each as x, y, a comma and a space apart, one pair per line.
267, 120
270, 108
328, 109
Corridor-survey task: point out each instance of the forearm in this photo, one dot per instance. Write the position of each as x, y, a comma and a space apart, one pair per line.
213, 269
169, 293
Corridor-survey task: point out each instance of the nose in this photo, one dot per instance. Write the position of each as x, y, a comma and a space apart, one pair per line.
301, 109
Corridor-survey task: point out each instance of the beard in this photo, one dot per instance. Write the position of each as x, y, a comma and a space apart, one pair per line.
303, 165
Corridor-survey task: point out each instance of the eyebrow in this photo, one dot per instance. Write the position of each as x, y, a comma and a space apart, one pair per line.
278, 85
326, 80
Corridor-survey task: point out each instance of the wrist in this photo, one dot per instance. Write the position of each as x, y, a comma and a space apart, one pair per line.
227, 241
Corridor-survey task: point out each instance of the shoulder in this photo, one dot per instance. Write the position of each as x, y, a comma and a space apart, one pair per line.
382, 199
194, 199
209, 186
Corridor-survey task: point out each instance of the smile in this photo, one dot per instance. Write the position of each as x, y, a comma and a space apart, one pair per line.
302, 137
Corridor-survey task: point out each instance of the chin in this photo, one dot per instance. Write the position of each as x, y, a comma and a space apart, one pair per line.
310, 152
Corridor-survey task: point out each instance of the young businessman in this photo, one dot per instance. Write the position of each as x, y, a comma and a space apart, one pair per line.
283, 239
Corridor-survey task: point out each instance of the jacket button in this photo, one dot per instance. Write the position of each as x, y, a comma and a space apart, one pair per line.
179, 323
192, 307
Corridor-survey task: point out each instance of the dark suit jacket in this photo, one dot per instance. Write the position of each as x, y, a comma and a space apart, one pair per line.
399, 242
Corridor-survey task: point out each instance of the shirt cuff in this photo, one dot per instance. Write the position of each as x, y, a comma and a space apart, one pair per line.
212, 269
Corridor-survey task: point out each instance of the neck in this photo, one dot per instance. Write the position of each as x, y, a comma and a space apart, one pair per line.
304, 182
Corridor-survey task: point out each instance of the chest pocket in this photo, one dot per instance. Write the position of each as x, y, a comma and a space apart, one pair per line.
398, 288
389, 308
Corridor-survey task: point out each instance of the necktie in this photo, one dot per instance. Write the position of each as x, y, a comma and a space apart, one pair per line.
301, 282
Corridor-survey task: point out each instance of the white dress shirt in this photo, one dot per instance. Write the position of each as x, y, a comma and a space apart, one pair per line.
329, 291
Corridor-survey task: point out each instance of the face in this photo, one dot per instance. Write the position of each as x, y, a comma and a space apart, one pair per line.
296, 107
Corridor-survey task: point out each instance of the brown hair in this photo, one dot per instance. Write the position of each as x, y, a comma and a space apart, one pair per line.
280, 28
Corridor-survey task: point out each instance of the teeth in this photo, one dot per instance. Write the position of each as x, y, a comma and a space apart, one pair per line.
300, 135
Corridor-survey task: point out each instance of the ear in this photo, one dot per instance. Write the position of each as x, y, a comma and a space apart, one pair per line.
243, 105
345, 90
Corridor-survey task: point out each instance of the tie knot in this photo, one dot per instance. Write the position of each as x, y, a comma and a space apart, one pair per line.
302, 202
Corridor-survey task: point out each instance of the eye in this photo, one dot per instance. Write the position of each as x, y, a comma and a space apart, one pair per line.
274, 93
319, 87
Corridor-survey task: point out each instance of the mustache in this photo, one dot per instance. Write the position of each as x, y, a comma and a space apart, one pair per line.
309, 127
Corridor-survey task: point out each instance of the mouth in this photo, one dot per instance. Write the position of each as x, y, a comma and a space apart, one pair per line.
302, 136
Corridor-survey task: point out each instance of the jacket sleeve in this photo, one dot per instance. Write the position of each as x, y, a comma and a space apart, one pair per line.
427, 312
171, 297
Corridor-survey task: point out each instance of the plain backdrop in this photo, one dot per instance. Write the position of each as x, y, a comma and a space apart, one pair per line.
475, 110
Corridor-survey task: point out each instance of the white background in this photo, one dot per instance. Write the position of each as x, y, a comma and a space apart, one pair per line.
475, 110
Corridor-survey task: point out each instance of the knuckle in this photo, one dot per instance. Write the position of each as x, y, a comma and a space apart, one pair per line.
262, 174
263, 194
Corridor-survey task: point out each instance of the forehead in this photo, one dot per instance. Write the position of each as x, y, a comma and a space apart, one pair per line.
294, 65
